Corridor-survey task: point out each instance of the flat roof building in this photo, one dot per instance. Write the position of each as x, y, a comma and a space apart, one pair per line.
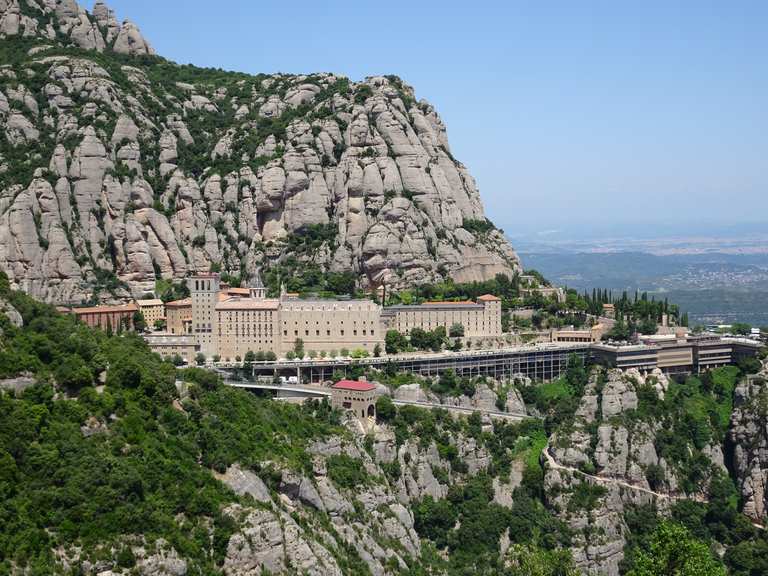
481, 318
676, 355
153, 310
170, 345
178, 316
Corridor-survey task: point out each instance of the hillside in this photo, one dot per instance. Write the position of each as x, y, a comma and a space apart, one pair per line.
118, 168
114, 462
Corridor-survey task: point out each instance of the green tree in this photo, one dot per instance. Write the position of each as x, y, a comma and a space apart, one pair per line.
298, 348
73, 373
385, 409
377, 350
672, 551
395, 342
249, 358
200, 359
160, 324
456, 330
139, 324
527, 560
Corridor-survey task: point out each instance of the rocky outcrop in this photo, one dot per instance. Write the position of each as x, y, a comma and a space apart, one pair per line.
98, 30
142, 177
606, 461
489, 396
749, 442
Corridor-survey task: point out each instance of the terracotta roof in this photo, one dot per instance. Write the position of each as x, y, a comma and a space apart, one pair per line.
448, 302
183, 303
488, 298
354, 385
239, 291
105, 309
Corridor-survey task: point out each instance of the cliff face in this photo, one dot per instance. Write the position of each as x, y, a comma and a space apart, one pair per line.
622, 451
118, 167
749, 441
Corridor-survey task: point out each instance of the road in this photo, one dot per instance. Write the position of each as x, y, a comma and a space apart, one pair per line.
310, 390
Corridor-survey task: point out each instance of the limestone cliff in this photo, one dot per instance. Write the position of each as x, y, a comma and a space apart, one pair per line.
749, 444
617, 454
118, 167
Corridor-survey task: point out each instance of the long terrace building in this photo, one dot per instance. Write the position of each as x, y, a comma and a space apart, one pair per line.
690, 354
481, 318
229, 322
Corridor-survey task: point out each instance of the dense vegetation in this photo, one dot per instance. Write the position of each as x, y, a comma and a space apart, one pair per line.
65, 479
106, 451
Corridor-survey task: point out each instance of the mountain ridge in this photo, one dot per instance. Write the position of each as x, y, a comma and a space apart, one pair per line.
119, 168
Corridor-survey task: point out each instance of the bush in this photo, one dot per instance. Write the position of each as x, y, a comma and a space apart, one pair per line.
346, 472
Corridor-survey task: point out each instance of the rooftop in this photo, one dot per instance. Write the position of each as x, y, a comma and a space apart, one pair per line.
179, 303
106, 309
489, 298
433, 305
237, 303
149, 302
354, 385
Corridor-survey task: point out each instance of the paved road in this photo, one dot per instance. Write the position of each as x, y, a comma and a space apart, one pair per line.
492, 413
324, 391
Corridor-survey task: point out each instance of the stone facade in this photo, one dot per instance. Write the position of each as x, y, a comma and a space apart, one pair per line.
170, 345
359, 398
152, 310
178, 316
330, 324
204, 289
233, 321
107, 317
229, 322
479, 319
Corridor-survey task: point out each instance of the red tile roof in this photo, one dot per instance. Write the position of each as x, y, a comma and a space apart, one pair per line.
488, 298
447, 302
131, 307
354, 385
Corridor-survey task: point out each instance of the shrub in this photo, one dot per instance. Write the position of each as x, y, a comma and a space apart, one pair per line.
346, 472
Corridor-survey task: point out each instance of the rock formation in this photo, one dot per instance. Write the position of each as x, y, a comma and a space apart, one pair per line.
114, 172
608, 460
749, 441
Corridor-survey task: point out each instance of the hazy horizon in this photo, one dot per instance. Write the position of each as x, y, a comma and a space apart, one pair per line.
568, 115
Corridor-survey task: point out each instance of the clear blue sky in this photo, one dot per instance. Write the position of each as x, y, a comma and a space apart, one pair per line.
567, 113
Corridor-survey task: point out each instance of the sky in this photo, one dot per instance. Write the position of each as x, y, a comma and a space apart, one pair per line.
570, 115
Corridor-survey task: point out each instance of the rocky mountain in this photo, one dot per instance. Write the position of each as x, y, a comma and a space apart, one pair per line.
749, 444
118, 168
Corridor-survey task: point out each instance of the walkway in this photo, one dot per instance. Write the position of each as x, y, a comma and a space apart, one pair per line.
615, 481
311, 390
